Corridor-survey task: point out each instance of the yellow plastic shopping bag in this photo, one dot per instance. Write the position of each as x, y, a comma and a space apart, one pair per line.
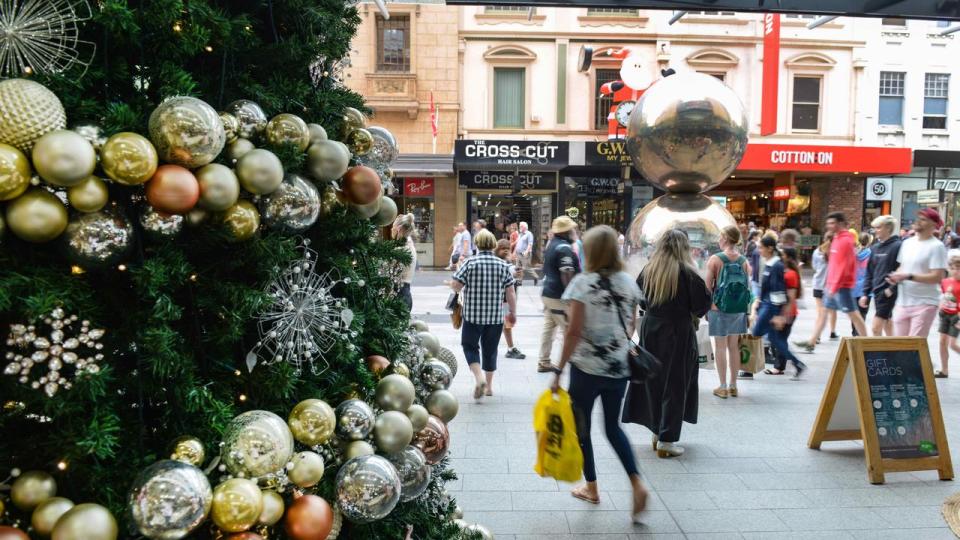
558, 451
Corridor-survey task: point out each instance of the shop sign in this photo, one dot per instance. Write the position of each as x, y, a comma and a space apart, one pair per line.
879, 189
418, 187
527, 155
607, 153
598, 187
506, 180
814, 158
928, 196
781, 193
809, 240
952, 186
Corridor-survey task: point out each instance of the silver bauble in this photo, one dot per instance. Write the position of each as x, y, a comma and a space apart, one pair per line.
327, 160
357, 449
293, 207
317, 133
384, 151
395, 393
435, 375
687, 133
251, 117
237, 149
169, 499
93, 134
392, 432
97, 239
449, 358
418, 416
699, 216
157, 225
219, 187
256, 443
443, 404
386, 214
260, 171
354, 420
186, 131
368, 489
414, 472
430, 343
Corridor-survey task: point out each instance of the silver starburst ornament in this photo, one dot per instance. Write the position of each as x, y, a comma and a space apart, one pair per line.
70, 347
304, 319
43, 36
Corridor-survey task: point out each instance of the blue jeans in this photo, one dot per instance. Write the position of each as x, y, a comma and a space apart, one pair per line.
778, 338
474, 337
584, 390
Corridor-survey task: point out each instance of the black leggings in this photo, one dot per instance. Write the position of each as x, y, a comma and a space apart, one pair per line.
584, 390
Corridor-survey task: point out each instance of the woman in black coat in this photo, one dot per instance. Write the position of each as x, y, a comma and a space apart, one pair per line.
674, 297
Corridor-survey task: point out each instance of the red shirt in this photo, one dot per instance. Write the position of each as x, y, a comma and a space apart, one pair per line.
950, 287
842, 264
792, 279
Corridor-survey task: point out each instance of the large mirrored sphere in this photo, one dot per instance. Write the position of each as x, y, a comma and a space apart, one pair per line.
699, 216
687, 133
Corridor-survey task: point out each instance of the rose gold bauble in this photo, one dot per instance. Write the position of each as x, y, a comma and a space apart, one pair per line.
361, 185
173, 190
244, 536
309, 518
9, 533
377, 363
433, 440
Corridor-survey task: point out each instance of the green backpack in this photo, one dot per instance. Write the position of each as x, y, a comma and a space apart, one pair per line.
732, 293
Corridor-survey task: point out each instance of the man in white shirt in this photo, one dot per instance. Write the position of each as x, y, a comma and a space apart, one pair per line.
523, 251
923, 264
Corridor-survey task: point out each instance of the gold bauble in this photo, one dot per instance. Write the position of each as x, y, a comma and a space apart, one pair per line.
400, 369
90, 195
37, 216
328, 160
360, 141
32, 488
46, 515
2, 507
317, 133
312, 422
289, 129
367, 211
418, 416
188, 450
443, 404
63, 158
186, 131
386, 214
329, 201
128, 158
86, 521
237, 149
357, 449
219, 187
260, 171
353, 119
14, 172
28, 110
251, 117
307, 469
273, 508
242, 220
231, 126
237, 504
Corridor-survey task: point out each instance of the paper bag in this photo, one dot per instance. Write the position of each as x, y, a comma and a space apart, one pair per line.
751, 354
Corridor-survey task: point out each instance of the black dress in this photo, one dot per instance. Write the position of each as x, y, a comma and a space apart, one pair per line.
664, 402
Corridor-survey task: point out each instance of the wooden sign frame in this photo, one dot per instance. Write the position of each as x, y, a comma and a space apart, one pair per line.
851, 353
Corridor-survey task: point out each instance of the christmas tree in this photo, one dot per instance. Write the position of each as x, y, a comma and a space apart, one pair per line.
188, 294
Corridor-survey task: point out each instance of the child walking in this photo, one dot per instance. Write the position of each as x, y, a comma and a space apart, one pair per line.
949, 316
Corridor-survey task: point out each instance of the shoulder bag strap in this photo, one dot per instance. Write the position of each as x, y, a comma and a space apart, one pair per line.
605, 285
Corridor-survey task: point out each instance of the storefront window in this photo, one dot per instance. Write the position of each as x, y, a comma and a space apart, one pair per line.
595, 201
501, 210
909, 208
418, 200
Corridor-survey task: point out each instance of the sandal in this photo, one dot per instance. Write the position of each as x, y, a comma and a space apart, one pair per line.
655, 440
941, 375
773, 371
639, 505
581, 493
479, 390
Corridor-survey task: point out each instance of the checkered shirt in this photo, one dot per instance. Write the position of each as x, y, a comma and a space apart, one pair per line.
485, 277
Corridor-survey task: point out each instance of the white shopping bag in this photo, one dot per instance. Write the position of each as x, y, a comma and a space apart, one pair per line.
705, 347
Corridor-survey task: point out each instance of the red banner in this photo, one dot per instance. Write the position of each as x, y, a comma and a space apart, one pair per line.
418, 187
836, 159
771, 73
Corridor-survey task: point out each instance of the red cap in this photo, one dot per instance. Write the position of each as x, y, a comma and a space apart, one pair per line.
932, 215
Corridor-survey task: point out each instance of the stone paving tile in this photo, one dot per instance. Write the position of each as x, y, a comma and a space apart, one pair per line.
687, 500
506, 482
623, 500
759, 499
726, 465
905, 534
854, 497
570, 537
543, 523
801, 535
714, 521
485, 501
823, 519
642, 536
619, 522
910, 516
715, 536
694, 482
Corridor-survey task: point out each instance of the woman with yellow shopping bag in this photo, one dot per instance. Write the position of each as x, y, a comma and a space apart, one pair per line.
602, 303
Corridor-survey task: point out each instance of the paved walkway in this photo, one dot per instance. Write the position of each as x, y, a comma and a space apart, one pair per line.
747, 472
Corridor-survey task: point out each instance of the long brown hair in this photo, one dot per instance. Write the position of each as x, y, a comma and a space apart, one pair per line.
661, 276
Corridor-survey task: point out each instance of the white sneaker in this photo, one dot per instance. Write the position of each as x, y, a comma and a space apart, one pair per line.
669, 449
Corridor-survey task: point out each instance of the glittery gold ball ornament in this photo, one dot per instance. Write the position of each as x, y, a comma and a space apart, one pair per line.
219, 187
317, 133
360, 141
307, 469
188, 450
288, 129
28, 110
86, 521
231, 126
37, 216
353, 119
241, 220
273, 508
45, 515
186, 131
14, 172
128, 158
237, 149
63, 158
312, 422
329, 201
401, 369
237, 504
251, 117
260, 171
32, 488
89, 195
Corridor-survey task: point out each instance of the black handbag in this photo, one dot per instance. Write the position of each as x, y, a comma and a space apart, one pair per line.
643, 365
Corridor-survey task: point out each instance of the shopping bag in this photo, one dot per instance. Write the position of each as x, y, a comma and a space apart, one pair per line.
751, 353
558, 450
705, 354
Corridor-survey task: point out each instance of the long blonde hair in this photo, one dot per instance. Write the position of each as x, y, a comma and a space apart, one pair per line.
601, 250
661, 276
404, 226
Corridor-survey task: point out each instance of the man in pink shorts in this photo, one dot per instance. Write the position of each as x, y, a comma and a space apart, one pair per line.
923, 264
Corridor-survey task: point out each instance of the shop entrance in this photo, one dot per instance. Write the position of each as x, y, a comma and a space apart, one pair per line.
500, 210
595, 201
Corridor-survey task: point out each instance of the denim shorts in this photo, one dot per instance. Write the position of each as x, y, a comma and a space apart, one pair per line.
842, 300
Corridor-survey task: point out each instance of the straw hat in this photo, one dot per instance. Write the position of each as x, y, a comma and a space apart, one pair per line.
563, 224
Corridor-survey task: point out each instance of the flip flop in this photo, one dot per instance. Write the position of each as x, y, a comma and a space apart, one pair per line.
769, 371
940, 375
577, 494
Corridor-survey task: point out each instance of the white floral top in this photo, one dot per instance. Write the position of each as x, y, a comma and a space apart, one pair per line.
603, 343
